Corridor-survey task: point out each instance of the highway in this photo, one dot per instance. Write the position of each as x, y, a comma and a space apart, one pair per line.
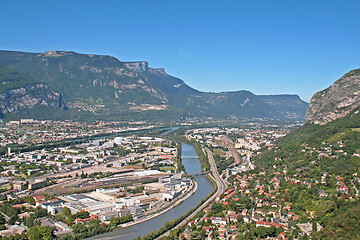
221, 187
219, 181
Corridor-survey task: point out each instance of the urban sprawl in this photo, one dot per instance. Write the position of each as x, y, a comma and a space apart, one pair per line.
68, 178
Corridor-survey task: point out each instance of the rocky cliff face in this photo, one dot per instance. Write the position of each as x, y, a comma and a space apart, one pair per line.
336, 101
138, 66
88, 84
143, 66
29, 96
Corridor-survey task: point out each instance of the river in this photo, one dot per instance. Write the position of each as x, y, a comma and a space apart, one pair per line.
205, 187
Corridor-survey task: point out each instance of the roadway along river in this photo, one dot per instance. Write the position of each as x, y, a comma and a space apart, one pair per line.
205, 187
220, 190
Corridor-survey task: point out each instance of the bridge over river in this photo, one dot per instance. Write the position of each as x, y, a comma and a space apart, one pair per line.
205, 187
198, 174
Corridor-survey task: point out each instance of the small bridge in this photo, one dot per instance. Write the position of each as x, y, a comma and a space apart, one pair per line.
198, 174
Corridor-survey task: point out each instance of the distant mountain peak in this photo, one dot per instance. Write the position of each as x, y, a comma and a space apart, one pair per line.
56, 53
143, 66
139, 66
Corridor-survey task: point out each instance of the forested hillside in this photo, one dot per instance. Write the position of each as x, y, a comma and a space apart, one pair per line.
321, 165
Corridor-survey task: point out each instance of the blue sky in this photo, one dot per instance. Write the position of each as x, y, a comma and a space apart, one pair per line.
267, 47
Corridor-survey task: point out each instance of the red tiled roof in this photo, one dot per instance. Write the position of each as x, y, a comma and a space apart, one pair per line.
229, 191
271, 224
229, 196
37, 198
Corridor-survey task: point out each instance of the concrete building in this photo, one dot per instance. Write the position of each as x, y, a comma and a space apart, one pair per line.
53, 206
96, 208
218, 220
164, 180
38, 183
119, 205
62, 226
170, 195
106, 216
186, 181
19, 185
124, 212
128, 201
136, 211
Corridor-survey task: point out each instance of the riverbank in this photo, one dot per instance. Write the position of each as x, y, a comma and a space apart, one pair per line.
220, 189
197, 209
203, 189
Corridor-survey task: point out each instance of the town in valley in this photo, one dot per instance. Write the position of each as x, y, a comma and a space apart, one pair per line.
70, 178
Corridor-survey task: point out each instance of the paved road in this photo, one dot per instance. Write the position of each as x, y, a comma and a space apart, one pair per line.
357, 190
221, 187
219, 181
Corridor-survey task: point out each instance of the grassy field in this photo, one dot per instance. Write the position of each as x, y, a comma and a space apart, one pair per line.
166, 169
219, 152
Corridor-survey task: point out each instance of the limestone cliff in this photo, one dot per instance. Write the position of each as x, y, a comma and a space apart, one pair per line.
336, 101
98, 87
17, 99
143, 66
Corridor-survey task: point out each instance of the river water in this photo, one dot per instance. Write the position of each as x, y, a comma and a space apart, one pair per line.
205, 187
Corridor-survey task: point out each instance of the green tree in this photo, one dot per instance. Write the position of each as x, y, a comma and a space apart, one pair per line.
2, 219
13, 219
314, 227
29, 220
82, 214
66, 211
79, 228
17, 236
40, 212
40, 232
114, 221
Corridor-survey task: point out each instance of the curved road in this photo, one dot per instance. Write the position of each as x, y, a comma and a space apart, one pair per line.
219, 181
221, 187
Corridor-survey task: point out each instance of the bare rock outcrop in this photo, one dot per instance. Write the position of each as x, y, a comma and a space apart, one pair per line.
336, 101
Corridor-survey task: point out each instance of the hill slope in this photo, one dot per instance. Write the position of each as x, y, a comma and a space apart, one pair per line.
290, 106
323, 158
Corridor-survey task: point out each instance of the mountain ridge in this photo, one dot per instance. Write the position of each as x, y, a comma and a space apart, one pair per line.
103, 87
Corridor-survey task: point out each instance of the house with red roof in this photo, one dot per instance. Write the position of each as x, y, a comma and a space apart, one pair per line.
229, 191
282, 236
229, 196
83, 220
207, 229
218, 220
269, 224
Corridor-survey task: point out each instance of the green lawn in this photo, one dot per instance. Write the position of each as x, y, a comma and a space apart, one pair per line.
219, 152
166, 169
